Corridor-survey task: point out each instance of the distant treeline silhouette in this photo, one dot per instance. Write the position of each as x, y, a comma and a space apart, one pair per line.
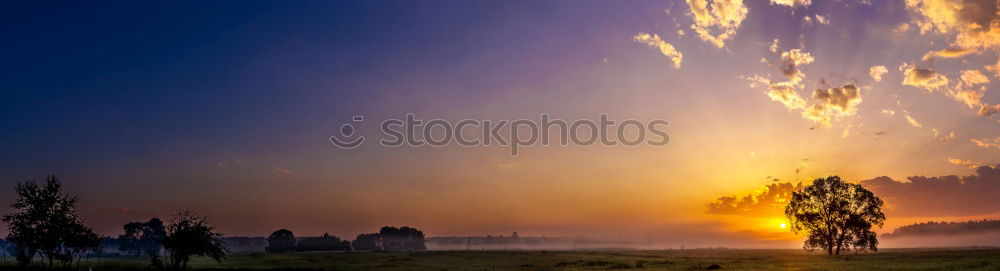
945, 228
387, 239
44, 224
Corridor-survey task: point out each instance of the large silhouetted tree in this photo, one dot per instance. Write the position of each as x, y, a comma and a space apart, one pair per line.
280, 241
45, 222
835, 215
191, 235
404, 238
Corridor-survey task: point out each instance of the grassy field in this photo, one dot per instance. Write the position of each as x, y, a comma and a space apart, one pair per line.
888, 259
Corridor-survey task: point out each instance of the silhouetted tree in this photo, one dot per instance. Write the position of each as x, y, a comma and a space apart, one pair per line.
81, 240
191, 235
280, 241
404, 238
836, 215
367, 241
326, 242
143, 238
45, 222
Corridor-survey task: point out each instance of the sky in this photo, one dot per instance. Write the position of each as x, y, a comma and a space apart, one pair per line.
226, 108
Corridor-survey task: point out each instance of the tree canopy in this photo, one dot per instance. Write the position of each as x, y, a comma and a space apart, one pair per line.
189, 234
836, 215
44, 221
280, 241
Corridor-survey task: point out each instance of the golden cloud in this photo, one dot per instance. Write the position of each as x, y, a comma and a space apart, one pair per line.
964, 163
975, 23
989, 110
722, 17
792, 3
974, 77
987, 143
966, 92
829, 104
922, 77
877, 71
913, 122
790, 63
948, 53
668, 50
833, 103
770, 201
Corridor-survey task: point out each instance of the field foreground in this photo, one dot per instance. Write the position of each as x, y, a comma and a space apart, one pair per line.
696, 259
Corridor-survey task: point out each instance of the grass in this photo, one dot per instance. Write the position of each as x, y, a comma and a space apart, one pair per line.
721, 259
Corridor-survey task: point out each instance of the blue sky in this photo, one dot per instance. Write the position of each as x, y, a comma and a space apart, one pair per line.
146, 108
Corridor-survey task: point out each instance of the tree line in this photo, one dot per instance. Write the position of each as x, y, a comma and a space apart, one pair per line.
45, 224
387, 239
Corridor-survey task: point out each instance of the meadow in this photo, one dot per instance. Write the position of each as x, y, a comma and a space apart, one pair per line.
692, 259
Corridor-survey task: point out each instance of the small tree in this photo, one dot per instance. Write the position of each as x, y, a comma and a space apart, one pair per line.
280, 241
143, 238
45, 222
191, 235
835, 215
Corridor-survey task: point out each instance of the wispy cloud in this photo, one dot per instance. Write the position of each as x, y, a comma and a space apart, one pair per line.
667, 49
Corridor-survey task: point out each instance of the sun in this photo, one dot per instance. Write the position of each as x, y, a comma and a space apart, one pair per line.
783, 225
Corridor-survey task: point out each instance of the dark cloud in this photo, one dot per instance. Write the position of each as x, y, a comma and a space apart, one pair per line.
940, 196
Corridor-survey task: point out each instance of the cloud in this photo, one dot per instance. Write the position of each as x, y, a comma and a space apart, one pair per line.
770, 201
790, 63
877, 71
792, 3
913, 122
995, 68
922, 78
786, 94
668, 50
828, 104
974, 77
284, 171
987, 143
975, 23
948, 53
833, 103
989, 110
964, 163
901, 28
970, 98
774, 46
940, 196
721, 17
821, 19
889, 112
945, 137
